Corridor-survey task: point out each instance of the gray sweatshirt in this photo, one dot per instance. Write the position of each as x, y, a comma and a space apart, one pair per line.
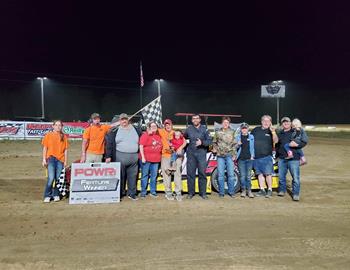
127, 140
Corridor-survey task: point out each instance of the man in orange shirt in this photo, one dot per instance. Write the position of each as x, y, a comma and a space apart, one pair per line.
167, 134
93, 146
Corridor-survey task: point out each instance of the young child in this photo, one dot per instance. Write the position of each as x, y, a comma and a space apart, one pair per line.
298, 136
55, 145
175, 144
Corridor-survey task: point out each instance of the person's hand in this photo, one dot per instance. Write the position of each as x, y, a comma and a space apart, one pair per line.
198, 142
82, 158
65, 164
108, 160
179, 151
143, 160
44, 163
272, 129
293, 144
239, 143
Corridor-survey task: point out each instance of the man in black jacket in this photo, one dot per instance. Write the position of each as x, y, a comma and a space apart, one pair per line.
285, 164
122, 145
199, 138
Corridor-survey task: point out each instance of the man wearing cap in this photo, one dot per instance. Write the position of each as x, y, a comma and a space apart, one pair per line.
285, 164
199, 141
122, 145
93, 146
264, 138
167, 134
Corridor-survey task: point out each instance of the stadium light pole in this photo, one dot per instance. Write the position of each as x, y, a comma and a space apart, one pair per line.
158, 83
279, 82
42, 96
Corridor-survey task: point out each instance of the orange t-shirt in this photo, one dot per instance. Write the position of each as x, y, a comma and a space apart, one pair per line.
96, 138
166, 138
55, 147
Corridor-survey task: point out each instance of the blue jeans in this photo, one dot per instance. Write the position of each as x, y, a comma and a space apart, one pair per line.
54, 169
291, 165
226, 162
245, 170
173, 158
149, 170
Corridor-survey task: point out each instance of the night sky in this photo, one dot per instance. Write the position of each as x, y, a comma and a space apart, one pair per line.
213, 57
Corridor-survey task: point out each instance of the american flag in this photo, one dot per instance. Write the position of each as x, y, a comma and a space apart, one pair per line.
142, 83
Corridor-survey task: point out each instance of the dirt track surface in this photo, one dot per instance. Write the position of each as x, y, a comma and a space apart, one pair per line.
224, 233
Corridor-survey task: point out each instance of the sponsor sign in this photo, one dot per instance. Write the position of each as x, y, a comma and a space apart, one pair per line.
37, 129
273, 91
11, 129
95, 183
74, 129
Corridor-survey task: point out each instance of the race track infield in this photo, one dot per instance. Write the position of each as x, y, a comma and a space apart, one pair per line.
238, 233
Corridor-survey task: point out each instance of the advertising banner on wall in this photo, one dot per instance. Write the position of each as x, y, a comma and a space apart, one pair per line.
11, 129
74, 129
37, 129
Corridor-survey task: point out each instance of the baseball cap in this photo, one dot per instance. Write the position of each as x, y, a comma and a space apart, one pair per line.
285, 119
95, 115
244, 125
123, 116
168, 121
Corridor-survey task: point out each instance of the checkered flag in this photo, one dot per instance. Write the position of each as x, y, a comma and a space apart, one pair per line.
153, 112
62, 185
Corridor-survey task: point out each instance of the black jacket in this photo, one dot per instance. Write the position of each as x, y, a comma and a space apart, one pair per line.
110, 142
285, 137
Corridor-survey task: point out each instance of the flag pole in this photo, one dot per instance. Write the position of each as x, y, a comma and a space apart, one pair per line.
143, 107
141, 83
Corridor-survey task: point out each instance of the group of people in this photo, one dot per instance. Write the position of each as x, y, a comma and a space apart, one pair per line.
122, 142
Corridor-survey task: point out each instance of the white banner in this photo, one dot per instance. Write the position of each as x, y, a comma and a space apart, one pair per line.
95, 183
273, 91
12, 129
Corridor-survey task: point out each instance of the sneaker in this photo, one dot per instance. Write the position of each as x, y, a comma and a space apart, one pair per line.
56, 199
47, 199
296, 198
269, 193
169, 196
178, 197
281, 194
243, 193
154, 195
250, 194
189, 196
261, 193
143, 196
132, 197
231, 195
221, 195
